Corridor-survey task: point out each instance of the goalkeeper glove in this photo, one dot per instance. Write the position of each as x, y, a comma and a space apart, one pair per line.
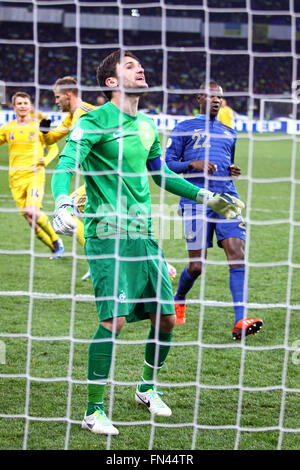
45, 125
64, 222
221, 203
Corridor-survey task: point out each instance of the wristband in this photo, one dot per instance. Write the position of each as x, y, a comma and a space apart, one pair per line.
61, 200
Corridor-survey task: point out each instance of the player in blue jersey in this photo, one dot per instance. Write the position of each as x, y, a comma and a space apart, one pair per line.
203, 150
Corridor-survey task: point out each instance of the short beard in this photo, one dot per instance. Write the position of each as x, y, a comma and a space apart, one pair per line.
136, 92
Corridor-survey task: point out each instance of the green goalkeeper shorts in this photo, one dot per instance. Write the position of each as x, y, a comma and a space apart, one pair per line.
130, 278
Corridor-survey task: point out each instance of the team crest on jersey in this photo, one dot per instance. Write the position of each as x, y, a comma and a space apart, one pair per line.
76, 134
146, 134
122, 296
190, 236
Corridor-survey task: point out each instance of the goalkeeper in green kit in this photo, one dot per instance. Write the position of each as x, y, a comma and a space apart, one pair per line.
115, 147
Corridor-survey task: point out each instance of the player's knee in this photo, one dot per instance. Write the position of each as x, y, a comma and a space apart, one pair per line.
28, 218
167, 323
237, 259
235, 250
195, 269
32, 212
114, 324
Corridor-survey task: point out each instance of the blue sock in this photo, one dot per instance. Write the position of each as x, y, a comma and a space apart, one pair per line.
185, 284
236, 284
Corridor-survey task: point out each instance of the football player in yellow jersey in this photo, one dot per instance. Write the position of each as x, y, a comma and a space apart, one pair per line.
53, 149
26, 170
226, 114
66, 97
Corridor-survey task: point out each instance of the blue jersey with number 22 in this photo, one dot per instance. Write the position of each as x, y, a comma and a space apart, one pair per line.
201, 138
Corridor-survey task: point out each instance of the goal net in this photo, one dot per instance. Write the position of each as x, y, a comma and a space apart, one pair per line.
223, 394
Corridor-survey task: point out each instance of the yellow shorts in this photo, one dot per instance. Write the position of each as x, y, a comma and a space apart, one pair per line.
29, 193
79, 198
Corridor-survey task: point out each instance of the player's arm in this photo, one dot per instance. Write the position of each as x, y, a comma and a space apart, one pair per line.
174, 152
235, 170
174, 157
53, 151
78, 146
53, 136
63, 222
3, 139
221, 203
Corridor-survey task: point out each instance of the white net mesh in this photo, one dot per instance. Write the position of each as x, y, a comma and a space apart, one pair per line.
223, 395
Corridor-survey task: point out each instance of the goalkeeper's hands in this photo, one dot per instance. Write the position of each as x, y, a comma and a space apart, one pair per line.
45, 125
64, 222
221, 203
225, 205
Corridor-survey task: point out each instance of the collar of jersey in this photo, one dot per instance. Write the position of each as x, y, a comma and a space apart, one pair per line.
128, 116
23, 123
204, 117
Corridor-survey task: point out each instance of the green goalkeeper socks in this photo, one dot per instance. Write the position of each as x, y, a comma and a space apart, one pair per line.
152, 363
92, 407
99, 362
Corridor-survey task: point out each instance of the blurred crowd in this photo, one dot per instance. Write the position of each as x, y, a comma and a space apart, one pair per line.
174, 73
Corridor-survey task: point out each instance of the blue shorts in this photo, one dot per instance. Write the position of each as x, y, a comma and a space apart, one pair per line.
201, 223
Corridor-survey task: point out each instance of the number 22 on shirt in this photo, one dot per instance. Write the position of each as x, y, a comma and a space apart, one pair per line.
201, 140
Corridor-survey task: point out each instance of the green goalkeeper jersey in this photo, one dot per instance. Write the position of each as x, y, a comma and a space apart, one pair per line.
112, 149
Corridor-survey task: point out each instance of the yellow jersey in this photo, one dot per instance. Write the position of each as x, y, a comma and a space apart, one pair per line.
78, 198
63, 130
226, 116
26, 145
53, 150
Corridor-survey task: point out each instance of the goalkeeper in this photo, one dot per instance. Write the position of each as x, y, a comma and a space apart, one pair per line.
66, 97
203, 149
114, 145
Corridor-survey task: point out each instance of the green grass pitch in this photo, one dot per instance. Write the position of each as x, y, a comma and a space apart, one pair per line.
224, 409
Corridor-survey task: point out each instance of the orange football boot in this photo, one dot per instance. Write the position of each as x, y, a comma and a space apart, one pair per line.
250, 327
180, 314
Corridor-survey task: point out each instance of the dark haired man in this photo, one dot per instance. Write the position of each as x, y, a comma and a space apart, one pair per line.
203, 150
114, 146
